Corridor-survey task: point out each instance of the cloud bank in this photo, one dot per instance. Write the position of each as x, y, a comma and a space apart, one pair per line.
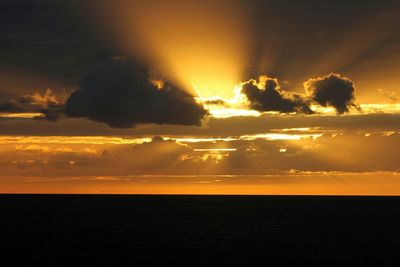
359, 152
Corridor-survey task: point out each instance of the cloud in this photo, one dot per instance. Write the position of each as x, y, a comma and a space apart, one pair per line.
47, 104
359, 152
121, 95
266, 95
215, 102
332, 90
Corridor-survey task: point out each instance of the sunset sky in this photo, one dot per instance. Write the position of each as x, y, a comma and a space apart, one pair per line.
200, 97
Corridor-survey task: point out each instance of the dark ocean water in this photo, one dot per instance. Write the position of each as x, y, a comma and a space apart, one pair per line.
67, 230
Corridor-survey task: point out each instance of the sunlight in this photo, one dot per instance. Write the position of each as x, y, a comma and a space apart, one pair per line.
179, 44
220, 107
281, 136
20, 115
87, 140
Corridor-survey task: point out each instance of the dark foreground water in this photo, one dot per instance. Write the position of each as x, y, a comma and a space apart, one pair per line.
199, 230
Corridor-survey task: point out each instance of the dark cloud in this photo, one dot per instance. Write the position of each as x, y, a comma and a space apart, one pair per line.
266, 95
47, 104
215, 102
121, 95
332, 90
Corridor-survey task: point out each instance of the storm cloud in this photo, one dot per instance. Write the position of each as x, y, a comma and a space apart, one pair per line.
332, 90
122, 95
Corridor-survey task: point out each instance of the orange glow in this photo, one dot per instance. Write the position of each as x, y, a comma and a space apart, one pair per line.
281, 136
214, 126
87, 140
238, 105
20, 115
158, 83
176, 36
295, 184
364, 109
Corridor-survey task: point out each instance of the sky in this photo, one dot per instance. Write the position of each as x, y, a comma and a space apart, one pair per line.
200, 97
